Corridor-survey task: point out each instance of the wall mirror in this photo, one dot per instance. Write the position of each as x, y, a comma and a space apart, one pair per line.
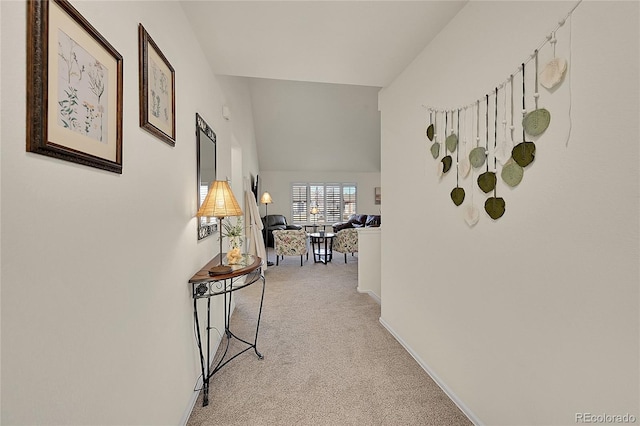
206, 165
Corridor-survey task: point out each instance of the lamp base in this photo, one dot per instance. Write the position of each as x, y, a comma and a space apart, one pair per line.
220, 270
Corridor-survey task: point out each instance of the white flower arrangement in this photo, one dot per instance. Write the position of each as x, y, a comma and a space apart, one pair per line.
233, 232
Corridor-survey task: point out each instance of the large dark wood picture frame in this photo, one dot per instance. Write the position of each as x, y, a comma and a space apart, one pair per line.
74, 88
157, 89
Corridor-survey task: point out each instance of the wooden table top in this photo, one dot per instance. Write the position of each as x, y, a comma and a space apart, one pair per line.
322, 235
249, 264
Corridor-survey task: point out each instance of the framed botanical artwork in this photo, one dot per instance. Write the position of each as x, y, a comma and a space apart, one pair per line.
74, 88
157, 90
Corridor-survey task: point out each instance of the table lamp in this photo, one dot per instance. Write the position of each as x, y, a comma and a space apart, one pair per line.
314, 212
220, 203
266, 200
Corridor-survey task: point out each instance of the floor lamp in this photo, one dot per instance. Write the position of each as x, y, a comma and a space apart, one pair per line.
266, 200
220, 203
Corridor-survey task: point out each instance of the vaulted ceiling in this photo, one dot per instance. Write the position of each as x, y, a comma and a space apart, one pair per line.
323, 62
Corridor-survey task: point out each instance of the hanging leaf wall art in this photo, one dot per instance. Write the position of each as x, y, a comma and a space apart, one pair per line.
430, 132
525, 152
512, 173
513, 157
495, 207
464, 165
471, 215
553, 73
503, 151
452, 142
457, 194
477, 157
447, 161
430, 128
435, 150
536, 121
435, 147
487, 182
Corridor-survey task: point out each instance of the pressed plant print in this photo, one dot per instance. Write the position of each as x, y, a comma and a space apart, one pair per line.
159, 93
82, 82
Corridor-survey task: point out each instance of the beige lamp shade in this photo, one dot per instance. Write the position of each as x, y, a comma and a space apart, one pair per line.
219, 202
314, 210
266, 198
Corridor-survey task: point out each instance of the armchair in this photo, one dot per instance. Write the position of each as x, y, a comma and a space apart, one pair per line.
290, 242
346, 241
274, 222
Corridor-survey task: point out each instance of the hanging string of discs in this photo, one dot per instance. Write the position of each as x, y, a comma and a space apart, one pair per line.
458, 153
514, 159
550, 38
495, 139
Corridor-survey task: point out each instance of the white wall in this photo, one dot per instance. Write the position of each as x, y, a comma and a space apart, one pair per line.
97, 323
532, 318
278, 184
316, 126
241, 119
369, 261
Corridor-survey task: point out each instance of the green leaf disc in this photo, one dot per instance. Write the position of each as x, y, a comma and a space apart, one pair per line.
435, 149
452, 142
487, 181
536, 122
494, 207
524, 153
430, 132
512, 173
446, 164
457, 195
477, 157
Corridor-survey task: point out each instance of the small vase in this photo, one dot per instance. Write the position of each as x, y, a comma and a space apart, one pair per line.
235, 242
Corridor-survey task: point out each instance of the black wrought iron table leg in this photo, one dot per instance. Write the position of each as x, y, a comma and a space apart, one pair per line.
255, 341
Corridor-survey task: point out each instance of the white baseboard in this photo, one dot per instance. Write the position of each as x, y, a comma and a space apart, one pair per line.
461, 405
370, 293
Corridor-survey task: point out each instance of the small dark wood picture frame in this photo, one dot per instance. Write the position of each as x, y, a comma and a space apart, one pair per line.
74, 88
157, 90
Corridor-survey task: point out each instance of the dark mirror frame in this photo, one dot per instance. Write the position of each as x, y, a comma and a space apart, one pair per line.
204, 135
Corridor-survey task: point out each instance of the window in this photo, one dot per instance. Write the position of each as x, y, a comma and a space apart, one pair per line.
299, 203
334, 202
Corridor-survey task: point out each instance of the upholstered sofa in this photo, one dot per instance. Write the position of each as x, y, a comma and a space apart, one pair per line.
273, 222
358, 221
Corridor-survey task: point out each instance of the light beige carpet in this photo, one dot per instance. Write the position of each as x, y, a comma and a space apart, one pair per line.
327, 358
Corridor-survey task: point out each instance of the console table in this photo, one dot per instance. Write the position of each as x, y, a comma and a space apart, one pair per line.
205, 286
